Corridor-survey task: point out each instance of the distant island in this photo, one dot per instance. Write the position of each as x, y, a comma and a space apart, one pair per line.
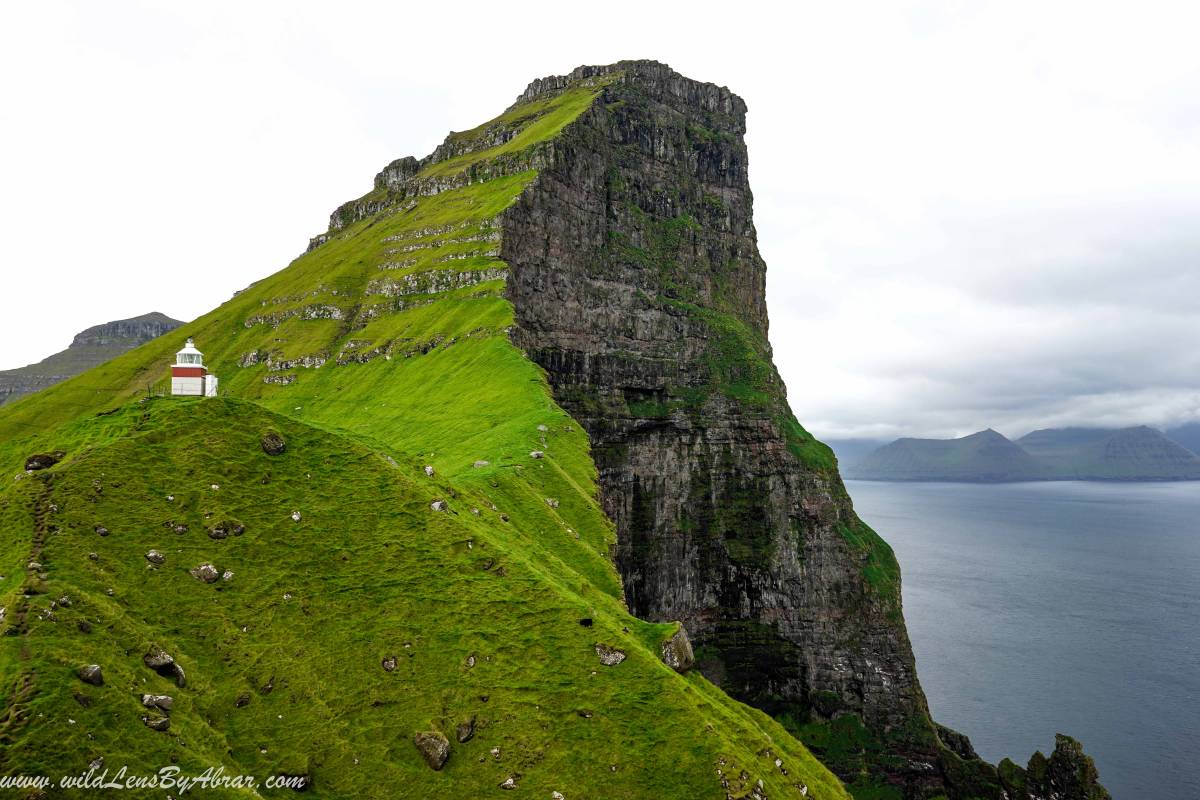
1128, 454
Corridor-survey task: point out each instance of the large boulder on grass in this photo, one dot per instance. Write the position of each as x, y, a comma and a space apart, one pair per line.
434, 748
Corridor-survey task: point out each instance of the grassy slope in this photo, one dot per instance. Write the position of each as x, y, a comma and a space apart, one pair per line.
370, 567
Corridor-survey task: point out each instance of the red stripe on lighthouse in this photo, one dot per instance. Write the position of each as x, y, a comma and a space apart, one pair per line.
187, 372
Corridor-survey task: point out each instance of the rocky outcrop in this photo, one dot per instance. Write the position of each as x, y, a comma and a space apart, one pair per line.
90, 348
638, 286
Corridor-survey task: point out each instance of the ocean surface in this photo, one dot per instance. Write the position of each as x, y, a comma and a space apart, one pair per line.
1072, 607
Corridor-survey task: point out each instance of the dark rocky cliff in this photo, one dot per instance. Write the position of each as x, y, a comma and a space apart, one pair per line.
639, 288
89, 348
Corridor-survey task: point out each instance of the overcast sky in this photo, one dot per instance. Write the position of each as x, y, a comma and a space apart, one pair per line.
973, 214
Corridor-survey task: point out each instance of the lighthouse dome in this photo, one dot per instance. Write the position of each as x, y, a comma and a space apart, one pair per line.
189, 355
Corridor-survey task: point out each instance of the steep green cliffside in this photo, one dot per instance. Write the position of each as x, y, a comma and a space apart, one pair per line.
638, 286
422, 573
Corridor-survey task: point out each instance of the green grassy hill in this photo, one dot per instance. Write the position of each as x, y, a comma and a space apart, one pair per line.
380, 352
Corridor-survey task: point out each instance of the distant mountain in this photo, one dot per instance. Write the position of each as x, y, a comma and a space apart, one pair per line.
90, 348
851, 451
1131, 454
986, 456
1187, 435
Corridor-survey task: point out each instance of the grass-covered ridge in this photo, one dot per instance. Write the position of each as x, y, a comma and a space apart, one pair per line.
378, 353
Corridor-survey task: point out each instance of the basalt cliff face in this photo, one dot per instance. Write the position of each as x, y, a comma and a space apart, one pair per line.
638, 286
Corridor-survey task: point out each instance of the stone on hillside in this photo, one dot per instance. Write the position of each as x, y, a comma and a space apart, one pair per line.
543, 428
164, 664
63, 602
536, 454
550, 501
481, 463
295, 516
465, 730
388, 663
227, 575
91, 674
557, 796
242, 700
155, 557
43, 460
609, 656
205, 572
160, 724
159, 701
225, 529
273, 444
509, 783
677, 652
101, 530
438, 505
429, 470
434, 747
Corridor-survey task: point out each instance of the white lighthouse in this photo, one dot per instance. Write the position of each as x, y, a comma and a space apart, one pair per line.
188, 375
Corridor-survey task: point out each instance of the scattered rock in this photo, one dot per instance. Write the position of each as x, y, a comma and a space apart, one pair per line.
91, 674
226, 529
162, 702
550, 501
434, 747
295, 516
94, 556
164, 664
63, 602
495, 751
205, 572
429, 470
475, 511
273, 444
100, 529
557, 796
609, 656
227, 575
389, 663
438, 505
155, 557
43, 460
242, 701
84, 626
481, 463
157, 723
537, 454
586, 622
509, 783
677, 651
465, 731
542, 428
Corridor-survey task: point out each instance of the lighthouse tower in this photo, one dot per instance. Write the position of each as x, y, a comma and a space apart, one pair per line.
188, 375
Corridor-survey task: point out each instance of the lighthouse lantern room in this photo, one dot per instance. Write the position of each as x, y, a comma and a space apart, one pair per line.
188, 375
